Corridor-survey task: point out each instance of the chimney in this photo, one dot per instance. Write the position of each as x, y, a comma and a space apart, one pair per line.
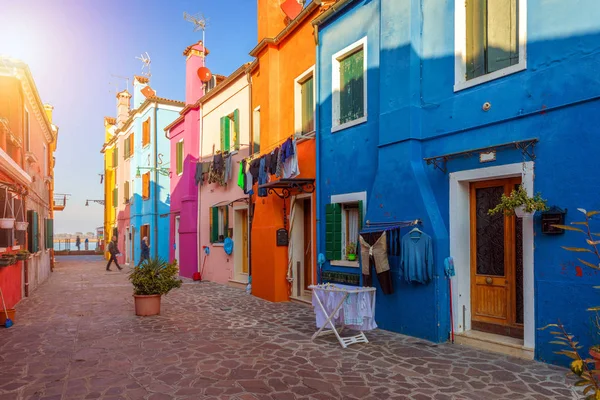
123, 99
271, 19
49, 109
139, 83
195, 59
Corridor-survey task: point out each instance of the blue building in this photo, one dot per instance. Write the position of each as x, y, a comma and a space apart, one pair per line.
430, 111
149, 170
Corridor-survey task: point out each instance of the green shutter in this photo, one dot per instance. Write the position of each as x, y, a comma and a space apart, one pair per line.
33, 231
227, 134
49, 233
333, 231
214, 224
502, 44
308, 122
476, 22
352, 87
223, 133
236, 129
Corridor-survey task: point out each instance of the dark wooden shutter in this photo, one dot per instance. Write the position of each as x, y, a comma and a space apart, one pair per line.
352, 87
360, 215
333, 231
214, 224
236, 129
225, 222
33, 231
49, 233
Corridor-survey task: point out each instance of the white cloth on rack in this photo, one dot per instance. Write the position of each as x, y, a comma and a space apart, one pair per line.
356, 312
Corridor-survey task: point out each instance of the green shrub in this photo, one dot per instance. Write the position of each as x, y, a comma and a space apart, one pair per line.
155, 276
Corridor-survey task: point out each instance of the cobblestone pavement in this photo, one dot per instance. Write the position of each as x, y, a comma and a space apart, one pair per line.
77, 338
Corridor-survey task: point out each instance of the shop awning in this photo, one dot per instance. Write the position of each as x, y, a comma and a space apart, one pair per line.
285, 188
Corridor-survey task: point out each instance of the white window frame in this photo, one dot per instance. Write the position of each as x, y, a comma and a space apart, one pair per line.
335, 82
298, 82
182, 157
460, 46
346, 199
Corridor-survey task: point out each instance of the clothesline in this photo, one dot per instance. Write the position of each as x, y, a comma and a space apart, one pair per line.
372, 227
270, 149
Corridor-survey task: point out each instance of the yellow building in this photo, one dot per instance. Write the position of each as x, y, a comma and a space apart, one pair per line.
110, 163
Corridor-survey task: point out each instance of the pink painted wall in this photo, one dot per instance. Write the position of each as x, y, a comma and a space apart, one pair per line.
184, 192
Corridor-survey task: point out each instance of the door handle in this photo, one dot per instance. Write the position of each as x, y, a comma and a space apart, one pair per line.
489, 280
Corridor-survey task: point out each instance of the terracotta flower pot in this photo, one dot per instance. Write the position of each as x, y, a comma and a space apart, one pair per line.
146, 305
11, 315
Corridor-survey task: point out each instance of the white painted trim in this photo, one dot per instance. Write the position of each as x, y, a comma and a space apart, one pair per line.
349, 124
335, 83
303, 77
460, 244
344, 263
350, 198
460, 49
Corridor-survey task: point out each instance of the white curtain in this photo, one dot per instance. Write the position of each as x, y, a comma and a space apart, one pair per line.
352, 226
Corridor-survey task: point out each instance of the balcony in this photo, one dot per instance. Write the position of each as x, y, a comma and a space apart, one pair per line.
59, 202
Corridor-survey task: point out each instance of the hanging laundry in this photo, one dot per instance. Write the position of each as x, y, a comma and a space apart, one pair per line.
228, 168
249, 179
417, 257
262, 177
375, 251
287, 149
254, 169
274, 158
242, 176
198, 173
290, 166
279, 166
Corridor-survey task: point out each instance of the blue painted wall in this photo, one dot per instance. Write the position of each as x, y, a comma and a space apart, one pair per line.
413, 113
143, 211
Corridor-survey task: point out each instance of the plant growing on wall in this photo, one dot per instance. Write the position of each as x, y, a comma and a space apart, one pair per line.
519, 202
586, 369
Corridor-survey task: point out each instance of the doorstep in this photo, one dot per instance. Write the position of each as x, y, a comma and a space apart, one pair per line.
301, 300
494, 343
237, 284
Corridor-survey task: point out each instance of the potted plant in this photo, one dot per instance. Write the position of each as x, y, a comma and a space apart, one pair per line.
351, 251
153, 278
519, 203
585, 368
23, 255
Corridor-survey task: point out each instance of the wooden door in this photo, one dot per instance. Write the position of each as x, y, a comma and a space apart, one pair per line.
307, 243
244, 217
494, 253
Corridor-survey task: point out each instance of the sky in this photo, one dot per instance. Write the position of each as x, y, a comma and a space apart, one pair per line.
73, 47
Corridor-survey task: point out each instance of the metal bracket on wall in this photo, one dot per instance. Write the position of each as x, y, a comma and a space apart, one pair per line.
525, 146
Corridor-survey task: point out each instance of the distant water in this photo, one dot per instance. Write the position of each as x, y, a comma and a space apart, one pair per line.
71, 246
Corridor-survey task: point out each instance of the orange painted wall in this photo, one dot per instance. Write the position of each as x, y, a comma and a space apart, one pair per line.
273, 90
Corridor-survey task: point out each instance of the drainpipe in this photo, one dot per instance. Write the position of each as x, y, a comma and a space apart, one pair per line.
156, 179
250, 151
198, 228
317, 155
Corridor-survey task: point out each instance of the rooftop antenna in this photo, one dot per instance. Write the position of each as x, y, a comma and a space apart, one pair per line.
126, 79
145, 59
200, 23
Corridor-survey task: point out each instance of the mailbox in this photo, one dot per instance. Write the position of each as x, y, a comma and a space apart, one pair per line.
553, 216
282, 237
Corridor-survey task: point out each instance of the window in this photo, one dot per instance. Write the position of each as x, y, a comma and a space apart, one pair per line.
126, 194
210, 85
219, 224
49, 231
304, 102
490, 40
144, 232
20, 215
33, 231
27, 135
146, 132
6, 235
179, 156
146, 186
230, 127
115, 197
343, 222
256, 130
350, 86
129, 146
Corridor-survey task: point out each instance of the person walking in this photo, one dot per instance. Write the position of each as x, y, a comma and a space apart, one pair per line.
78, 243
145, 250
113, 250
87, 244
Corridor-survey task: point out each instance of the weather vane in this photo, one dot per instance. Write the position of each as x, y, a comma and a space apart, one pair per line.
200, 23
145, 59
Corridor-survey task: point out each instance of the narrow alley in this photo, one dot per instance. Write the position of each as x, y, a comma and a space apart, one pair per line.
77, 337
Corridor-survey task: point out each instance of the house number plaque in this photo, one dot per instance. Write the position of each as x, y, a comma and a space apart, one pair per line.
282, 237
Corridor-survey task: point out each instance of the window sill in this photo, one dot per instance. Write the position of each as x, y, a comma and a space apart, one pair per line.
217, 244
345, 263
462, 85
349, 124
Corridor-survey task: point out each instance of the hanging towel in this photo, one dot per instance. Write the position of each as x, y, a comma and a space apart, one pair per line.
241, 176
290, 165
417, 258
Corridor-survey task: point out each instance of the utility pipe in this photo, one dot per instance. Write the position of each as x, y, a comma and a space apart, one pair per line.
156, 180
250, 152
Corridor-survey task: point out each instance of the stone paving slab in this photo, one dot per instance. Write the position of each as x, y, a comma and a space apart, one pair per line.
77, 338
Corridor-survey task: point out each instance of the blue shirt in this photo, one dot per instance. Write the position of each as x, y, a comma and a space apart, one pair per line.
417, 257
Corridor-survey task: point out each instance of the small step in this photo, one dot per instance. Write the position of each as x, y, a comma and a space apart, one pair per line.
494, 343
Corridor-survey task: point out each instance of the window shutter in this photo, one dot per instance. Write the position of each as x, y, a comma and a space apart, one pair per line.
49, 233
352, 87
226, 222
227, 134
308, 124
115, 197
476, 22
214, 224
236, 129
223, 133
33, 231
179, 158
126, 190
502, 46
131, 145
333, 231
360, 215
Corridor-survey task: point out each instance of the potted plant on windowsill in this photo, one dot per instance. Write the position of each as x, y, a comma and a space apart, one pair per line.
8, 259
23, 255
351, 252
519, 203
152, 279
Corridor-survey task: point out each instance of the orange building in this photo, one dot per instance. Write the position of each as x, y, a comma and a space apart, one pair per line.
283, 107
